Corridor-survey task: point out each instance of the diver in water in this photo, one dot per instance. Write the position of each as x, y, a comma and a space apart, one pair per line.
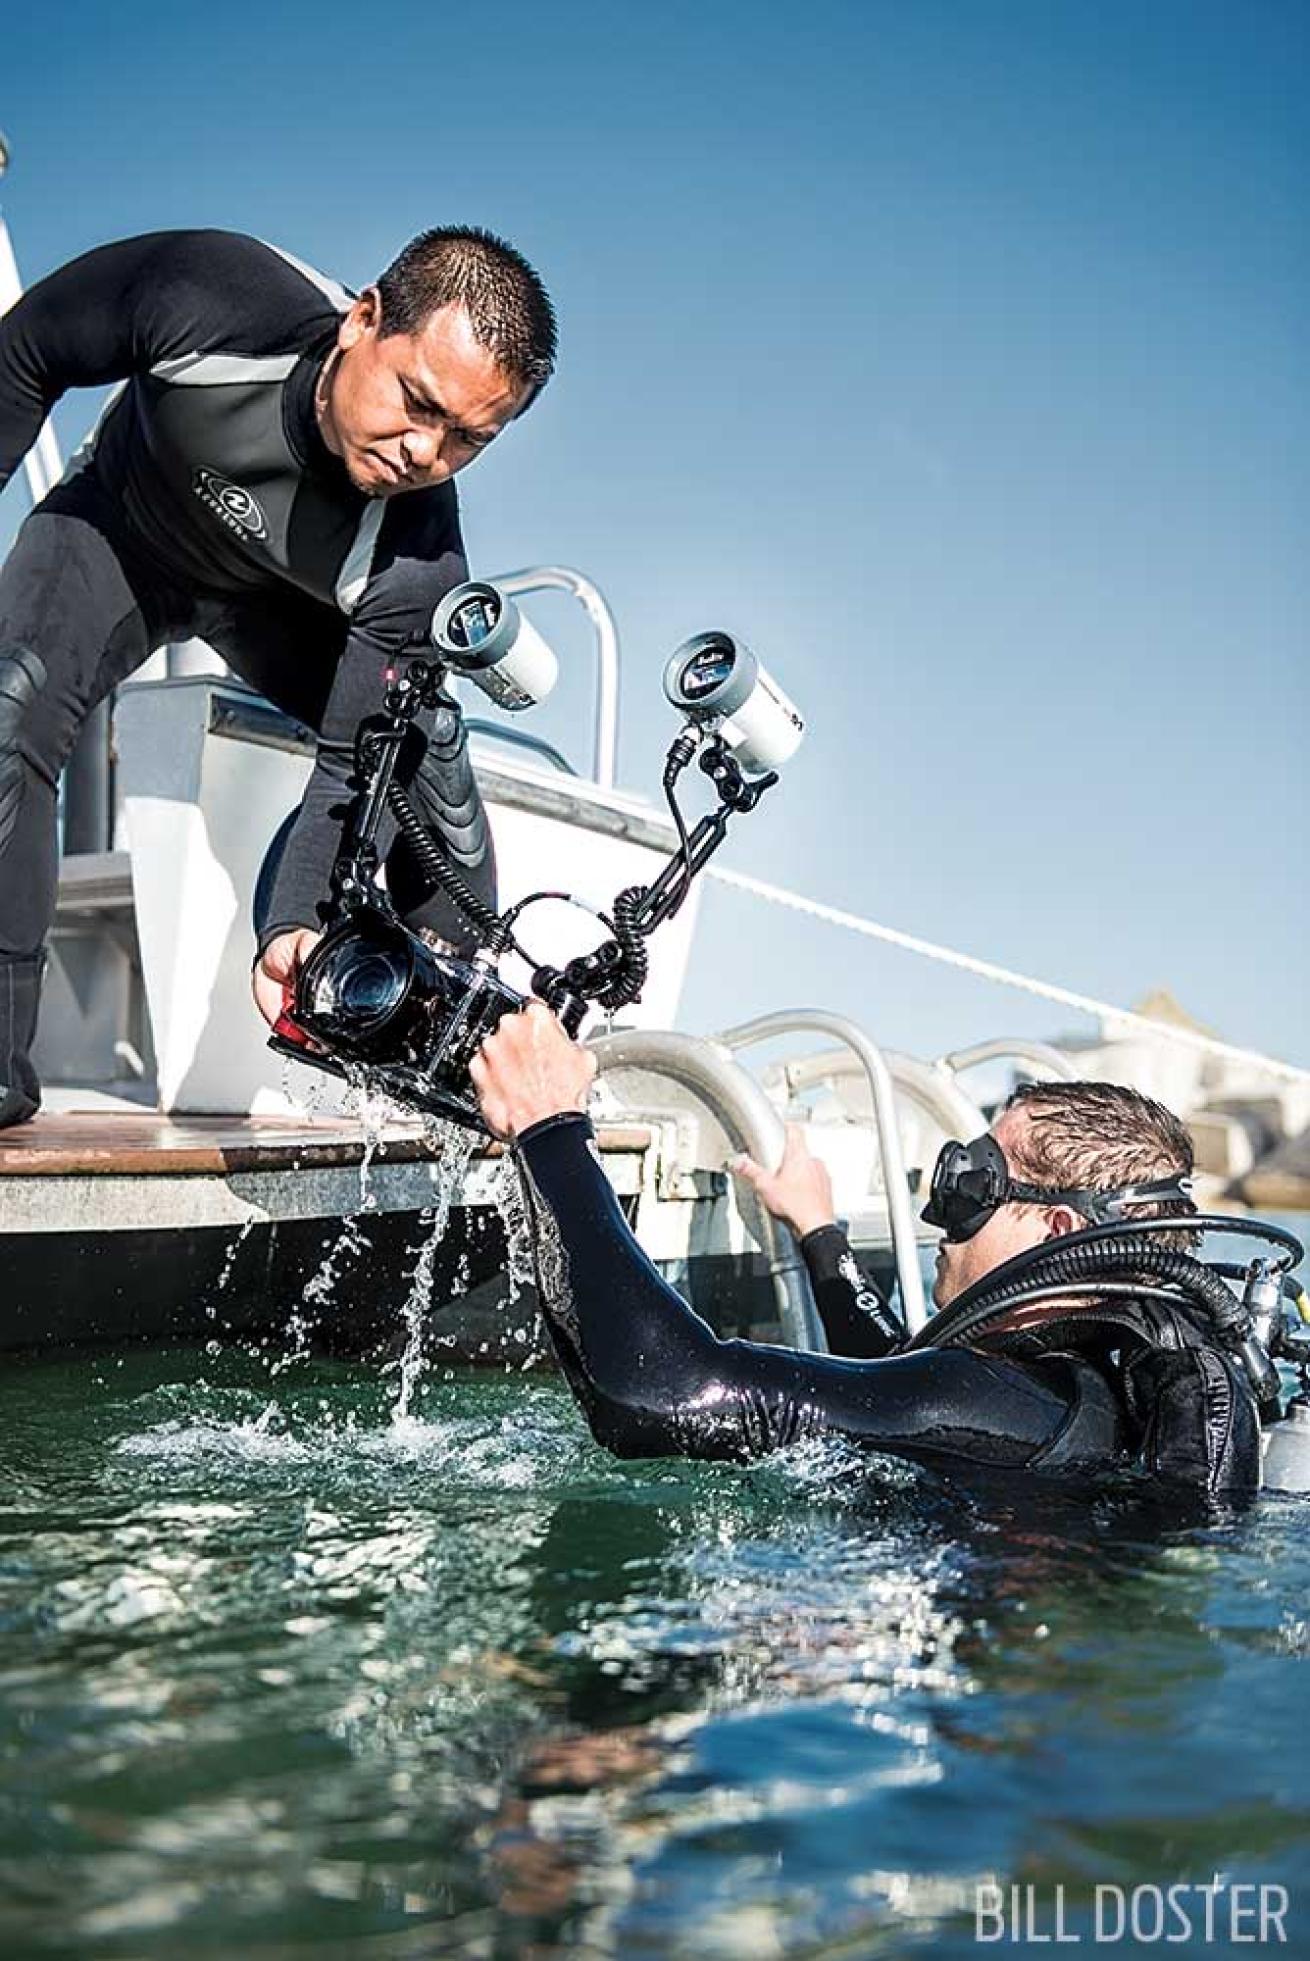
274, 476
1090, 1379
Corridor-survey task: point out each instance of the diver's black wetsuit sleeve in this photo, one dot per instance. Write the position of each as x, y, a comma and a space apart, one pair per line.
119, 310
856, 1319
654, 1380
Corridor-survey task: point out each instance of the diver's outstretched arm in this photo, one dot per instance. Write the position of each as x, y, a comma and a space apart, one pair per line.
654, 1379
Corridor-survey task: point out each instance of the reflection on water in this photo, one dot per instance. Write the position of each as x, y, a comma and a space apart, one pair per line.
281, 1666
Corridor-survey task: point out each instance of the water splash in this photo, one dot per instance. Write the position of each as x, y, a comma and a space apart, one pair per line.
307, 1096
230, 1259
374, 1110
453, 1147
350, 1242
507, 1197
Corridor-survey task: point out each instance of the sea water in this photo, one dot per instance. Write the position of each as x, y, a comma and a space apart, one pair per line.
284, 1669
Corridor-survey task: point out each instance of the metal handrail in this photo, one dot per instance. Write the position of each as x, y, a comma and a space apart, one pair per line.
1010, 1048
927, 1085
818, 1021
740, 1106
562, 578
520, 739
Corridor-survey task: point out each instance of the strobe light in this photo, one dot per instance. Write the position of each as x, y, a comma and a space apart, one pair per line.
478, 631
717, 681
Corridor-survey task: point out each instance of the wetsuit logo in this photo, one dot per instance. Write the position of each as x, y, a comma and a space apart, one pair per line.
236, 508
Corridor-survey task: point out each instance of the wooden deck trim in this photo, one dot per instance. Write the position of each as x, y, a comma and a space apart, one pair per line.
147, 1144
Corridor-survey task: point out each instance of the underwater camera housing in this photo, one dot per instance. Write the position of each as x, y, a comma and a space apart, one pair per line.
375, 997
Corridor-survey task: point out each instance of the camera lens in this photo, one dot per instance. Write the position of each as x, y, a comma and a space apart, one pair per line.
371, 987
361, 985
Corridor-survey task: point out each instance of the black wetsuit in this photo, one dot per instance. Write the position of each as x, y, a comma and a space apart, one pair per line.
654, 1380
206, 503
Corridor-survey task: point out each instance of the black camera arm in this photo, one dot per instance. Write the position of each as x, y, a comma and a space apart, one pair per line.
378, 746
614, 973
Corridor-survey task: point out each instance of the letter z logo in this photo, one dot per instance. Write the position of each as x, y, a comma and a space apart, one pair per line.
232, 505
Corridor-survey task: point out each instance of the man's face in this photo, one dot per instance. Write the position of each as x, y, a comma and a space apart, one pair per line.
1011, 1229
404, 411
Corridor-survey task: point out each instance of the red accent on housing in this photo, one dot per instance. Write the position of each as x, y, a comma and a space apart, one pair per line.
291, 1031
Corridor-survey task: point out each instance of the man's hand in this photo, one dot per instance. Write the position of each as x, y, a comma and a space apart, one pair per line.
275, 972
529, 1069
799, 1192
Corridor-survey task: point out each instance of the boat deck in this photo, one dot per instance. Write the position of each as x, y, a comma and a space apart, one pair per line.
120, 1225
121, 1143
125, 1170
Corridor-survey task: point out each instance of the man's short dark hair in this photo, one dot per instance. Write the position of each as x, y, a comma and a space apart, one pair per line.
507, 305
1097, 1137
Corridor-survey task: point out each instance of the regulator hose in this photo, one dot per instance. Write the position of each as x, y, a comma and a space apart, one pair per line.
438, 869
1076, 1264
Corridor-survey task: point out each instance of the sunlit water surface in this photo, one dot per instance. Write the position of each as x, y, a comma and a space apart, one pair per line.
281, 1670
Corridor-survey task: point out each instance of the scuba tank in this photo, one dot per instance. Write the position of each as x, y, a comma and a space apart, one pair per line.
1287, 1443
1287, 1449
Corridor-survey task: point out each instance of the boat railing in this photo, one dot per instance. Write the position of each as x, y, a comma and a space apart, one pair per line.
742, 1110
818, 1021
237, 710
563, 578
535, 745
1051, 1063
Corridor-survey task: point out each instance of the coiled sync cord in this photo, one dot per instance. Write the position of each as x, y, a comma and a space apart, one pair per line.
438, 868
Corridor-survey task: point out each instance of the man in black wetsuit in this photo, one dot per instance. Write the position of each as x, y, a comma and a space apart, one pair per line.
654, 1380
274, 477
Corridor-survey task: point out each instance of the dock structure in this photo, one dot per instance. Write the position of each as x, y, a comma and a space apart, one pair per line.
1280, 1181
122, 1227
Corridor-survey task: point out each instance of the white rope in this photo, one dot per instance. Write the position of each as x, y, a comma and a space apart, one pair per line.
987, 970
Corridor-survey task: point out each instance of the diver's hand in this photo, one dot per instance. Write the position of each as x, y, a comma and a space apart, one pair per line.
276, 969
799, 1192
529, 1069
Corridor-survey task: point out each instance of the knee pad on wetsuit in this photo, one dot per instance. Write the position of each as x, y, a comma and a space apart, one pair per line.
22, 677
446, 793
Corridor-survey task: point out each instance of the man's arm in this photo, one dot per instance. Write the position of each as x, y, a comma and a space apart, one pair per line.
856, 1320
652, 1377
123, 308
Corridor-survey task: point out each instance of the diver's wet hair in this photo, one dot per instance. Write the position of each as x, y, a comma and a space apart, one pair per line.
1098, 1137
506, 302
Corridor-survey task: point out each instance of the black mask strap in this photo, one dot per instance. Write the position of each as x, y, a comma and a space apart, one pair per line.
1101, 1207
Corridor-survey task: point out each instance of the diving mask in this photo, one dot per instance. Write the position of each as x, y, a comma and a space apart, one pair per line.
971, 1181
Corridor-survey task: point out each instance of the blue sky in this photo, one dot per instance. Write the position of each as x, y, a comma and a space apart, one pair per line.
951, 351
